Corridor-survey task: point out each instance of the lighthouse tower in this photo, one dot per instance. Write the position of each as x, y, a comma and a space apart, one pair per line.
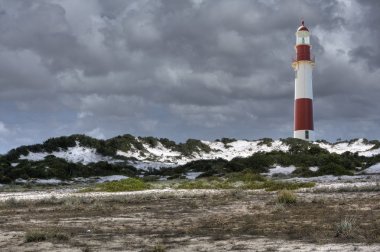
303, 100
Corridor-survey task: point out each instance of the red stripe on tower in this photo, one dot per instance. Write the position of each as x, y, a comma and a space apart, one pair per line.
303, 100
303, 52
303, 111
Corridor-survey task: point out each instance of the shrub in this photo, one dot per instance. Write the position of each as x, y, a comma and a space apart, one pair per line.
345, 227
192, 146
227, 140
38, 236
204, 184
150, 178
303, 172
35, 236
258, 162
271, 185
125, 143
297, 145
11, 203
333, 169
286, 197
168, 143
245, 176
59, 236
129, 184
265, 141
159, 248
151, 141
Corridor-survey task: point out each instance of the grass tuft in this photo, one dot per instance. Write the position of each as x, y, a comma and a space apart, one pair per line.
286, 197
35, 236
39, 235
159, 248
346, 227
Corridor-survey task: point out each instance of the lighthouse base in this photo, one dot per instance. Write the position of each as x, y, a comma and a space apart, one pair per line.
307, 135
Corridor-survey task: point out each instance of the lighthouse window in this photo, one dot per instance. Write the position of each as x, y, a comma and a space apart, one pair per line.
306, 134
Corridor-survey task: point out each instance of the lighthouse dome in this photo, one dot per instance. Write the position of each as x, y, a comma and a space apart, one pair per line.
302, 27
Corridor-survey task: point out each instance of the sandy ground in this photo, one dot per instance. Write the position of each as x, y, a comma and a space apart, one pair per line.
191, 220
66, 193
10, 241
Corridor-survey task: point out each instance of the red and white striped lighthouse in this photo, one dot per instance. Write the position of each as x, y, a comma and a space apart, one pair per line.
303, 100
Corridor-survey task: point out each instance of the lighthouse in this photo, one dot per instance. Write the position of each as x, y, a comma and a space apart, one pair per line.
303, 96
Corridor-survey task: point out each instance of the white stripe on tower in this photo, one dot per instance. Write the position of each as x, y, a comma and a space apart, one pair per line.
303, 95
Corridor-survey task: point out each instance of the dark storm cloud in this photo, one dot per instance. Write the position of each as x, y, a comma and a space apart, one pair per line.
180, 69
368, 34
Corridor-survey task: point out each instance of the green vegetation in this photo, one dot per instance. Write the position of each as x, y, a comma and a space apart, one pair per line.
266, 141
35, 236
239, 180
39, 235
272, 185
301, 154
124, 143
245, 181
191, 146
226, 141
205, 184
53, 167
129, 184
159, 248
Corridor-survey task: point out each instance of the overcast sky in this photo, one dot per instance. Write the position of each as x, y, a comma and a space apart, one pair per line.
184, 68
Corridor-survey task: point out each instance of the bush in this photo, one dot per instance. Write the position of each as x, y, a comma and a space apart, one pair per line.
226, 141
176, 176
151, 141
124, 143
345, 227
191, 146
286, 197
159, 248
271, 185
168, 143
35, 236
38, 236
297, 145
333, 169
265, 141
245, 176
303, 172
129, 184
258, 162
204, 184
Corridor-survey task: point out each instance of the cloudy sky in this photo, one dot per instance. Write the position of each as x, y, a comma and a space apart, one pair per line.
184, 68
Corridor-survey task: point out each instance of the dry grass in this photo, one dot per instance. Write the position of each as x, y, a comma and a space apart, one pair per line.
171, 220
346, 227
159, 248
286, 197
36, 235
